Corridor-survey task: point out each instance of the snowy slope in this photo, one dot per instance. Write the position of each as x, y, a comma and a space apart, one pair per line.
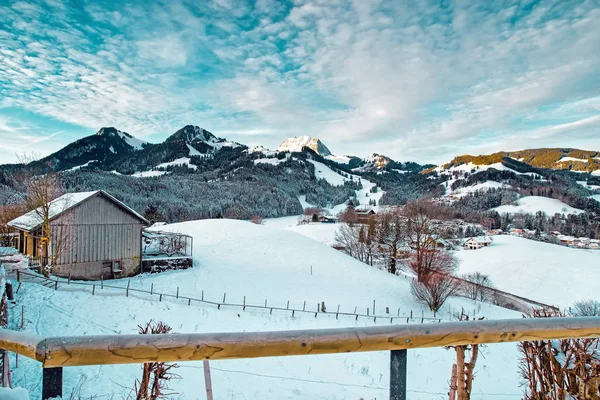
533, 204
479, 186
540, 271
339, 159
296, 144
260, 261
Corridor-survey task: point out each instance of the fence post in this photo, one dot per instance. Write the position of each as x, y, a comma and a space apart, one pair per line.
127, 290
177, 295
207, 380
93, 289
101, 281
56, 284
52, 382
224, 295
151, 289
18, 276
398, 375
244, 309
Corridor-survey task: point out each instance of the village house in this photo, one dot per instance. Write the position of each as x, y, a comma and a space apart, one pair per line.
92, 236
363, 215
477, 242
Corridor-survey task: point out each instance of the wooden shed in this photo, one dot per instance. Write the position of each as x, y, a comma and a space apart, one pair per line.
92, 236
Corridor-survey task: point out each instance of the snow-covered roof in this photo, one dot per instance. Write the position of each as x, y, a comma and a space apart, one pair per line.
33, 219
479, 239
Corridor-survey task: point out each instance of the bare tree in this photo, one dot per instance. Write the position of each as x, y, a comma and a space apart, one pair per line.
587, 308
391, 234
155, 375
432, 261
420, 234
434, 290
352, 239
477, 286
7, 214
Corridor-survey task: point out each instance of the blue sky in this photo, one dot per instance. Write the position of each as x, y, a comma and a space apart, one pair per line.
414, 80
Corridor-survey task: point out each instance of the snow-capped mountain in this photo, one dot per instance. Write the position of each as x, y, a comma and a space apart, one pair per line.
296, 144
199, 140
377, 161
111, 132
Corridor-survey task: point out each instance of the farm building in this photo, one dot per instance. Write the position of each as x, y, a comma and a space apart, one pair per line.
475, 243
92, 236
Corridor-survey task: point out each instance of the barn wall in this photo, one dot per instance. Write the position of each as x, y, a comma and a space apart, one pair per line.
92, 233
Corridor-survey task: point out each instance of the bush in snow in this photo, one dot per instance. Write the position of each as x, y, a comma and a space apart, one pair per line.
560, 369
155, 375
587, 308
434, 290
476, 286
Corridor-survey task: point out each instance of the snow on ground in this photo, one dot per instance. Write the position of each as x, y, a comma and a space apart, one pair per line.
303, 202
134, 142
549, 273
193, 151
149, 174
322, 171
339, 159
564, 159
533, 204
13, 394
81, 166
487, 185
178, 162
271, 161
323, 233
260, 261
596, 197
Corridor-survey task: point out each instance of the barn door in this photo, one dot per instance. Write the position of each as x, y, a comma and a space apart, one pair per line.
107, 270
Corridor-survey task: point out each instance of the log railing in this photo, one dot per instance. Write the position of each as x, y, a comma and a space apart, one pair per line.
57, 352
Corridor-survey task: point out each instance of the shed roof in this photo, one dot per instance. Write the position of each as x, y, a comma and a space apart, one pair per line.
33, 219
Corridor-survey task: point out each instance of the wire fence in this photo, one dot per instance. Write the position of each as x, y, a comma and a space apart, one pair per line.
98, 288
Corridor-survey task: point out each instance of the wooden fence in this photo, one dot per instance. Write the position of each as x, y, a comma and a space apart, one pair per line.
55, 353
391, 315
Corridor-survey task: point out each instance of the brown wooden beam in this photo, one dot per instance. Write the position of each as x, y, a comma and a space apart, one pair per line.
127, 349
26, 344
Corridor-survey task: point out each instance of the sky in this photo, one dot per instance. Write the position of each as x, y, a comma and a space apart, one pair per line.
414, 80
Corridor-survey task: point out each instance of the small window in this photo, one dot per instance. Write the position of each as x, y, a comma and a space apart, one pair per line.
117, 267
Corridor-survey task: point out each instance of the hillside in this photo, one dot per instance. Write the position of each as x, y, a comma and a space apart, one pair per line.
583, 161
260, 262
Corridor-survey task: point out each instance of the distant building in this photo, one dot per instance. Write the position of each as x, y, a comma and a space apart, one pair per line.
363, 215
92, 236
475, 243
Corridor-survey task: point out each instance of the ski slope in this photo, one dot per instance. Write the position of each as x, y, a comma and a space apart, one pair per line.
533, 204
260, 261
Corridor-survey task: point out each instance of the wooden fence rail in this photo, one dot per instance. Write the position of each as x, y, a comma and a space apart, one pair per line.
57, 352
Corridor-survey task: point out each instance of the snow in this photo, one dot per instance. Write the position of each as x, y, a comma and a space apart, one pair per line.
487, 185
296, 144
322, 171
260, 262
13, 394
552, 274
178, 162
81, 166
193, 151
596, 173
136, 143
533, 204
149, 174
339, 159
596, 197
323, 233
565, 159
303, 202
591, 187
33, 219
270, 161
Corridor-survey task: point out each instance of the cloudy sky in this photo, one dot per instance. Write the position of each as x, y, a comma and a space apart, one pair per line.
414, 80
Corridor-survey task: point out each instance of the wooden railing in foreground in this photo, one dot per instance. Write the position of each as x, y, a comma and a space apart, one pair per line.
57, 352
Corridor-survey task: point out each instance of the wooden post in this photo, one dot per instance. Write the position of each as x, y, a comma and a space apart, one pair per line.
69, 281
387, 310
151, 288
207, 380
265, 303
373, 307
304, 306
127, 290
101, 281
189, 301
337, 312
202, 295
22, 317
52, 382
398, 312
367, 311
160, 298
244, 309
311, 269
398, 375
18, 276
177, 295
93, 289
56, 284
224, 295
355, 307
288, 305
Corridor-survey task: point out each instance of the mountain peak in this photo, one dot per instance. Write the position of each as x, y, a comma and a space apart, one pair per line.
192, 133
112, 131
296, 144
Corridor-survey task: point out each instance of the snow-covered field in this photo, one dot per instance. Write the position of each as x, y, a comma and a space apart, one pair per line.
487, 185
533, 204
260, 262
552, 274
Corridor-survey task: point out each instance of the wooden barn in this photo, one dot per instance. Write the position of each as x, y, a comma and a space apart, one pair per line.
92, 236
